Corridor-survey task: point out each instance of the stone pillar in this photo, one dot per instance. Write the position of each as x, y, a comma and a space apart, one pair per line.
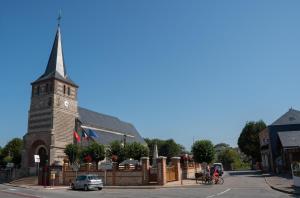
161, 170
114, 170
176, 164
145, 170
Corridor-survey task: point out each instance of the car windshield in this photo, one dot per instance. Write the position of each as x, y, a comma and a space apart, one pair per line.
93, 177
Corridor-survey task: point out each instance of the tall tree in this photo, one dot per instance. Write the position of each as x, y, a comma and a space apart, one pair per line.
203, 151
13, 150
248, 141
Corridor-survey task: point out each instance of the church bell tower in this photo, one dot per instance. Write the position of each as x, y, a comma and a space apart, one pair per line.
53, 111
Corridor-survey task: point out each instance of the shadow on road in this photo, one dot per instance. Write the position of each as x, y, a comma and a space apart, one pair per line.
250, 173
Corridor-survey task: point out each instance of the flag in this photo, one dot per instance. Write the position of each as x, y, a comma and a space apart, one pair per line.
76, 136
92, 134
84, 135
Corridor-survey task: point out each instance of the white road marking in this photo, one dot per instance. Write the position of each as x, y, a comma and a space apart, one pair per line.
224, 191
218, 194
12, 189
210, 196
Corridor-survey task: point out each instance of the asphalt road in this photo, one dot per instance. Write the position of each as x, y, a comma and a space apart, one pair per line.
236, 185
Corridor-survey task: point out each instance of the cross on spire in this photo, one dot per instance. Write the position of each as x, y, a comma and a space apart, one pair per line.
59, 18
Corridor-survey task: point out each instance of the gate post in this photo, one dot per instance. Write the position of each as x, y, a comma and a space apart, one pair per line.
161, 170
176, 164
145, 169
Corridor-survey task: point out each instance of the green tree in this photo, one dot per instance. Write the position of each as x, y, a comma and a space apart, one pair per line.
7, 159
203, 151
95, 151
73, 152
116, 149
168, 148
221, 146
227, 157
1, 157
248, 140
136, 150
13, 149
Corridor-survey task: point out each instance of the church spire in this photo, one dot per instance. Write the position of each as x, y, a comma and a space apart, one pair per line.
56, 67
56, 59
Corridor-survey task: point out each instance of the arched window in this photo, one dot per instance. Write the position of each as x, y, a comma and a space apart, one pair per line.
69, 91
64, 89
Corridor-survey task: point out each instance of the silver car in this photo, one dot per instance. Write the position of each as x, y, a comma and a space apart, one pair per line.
87, 182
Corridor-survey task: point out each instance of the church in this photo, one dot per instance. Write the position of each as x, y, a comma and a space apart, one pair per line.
54, 116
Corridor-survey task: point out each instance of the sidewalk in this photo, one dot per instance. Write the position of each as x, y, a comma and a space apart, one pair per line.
282, 183
177, 184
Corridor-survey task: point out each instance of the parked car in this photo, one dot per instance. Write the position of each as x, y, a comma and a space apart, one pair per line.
87, 182
220, 167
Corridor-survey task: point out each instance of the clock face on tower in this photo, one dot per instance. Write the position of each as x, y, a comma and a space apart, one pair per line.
66, 103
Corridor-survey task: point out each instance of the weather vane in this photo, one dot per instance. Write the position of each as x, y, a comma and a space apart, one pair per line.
59, 18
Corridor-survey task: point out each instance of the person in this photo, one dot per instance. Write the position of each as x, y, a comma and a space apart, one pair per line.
207, 173
216, 174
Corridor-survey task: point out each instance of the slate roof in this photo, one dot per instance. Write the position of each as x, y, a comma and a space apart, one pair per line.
290, 117
108, 128
56, 67
57, 76
289, 138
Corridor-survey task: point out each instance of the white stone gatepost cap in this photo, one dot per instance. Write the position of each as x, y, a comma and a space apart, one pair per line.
162, 157
144, 158
177, 158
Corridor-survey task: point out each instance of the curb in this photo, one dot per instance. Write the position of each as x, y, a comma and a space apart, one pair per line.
281, 190
106, 187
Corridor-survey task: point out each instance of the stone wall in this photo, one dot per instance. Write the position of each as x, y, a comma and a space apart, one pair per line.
109, 177
124, 177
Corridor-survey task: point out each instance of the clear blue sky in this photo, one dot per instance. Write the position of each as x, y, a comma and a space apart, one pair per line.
175, 69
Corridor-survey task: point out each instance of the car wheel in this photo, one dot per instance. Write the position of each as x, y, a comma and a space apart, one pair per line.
100, 188
86, 187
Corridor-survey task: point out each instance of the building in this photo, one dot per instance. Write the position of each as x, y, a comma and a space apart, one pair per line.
54, 115
265, 149
280, 142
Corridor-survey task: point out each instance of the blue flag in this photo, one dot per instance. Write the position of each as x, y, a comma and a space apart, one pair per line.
92, 133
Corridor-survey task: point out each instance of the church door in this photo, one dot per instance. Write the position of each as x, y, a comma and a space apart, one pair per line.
43, 156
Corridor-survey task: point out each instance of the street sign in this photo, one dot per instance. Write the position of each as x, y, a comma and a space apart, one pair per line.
10, 165
36, 158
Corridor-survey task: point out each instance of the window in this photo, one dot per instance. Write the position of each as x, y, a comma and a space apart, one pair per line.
38, 90
64, 89
51, 88
49, 102
69, 91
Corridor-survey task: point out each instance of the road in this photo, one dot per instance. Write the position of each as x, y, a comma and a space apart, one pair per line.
236, 185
